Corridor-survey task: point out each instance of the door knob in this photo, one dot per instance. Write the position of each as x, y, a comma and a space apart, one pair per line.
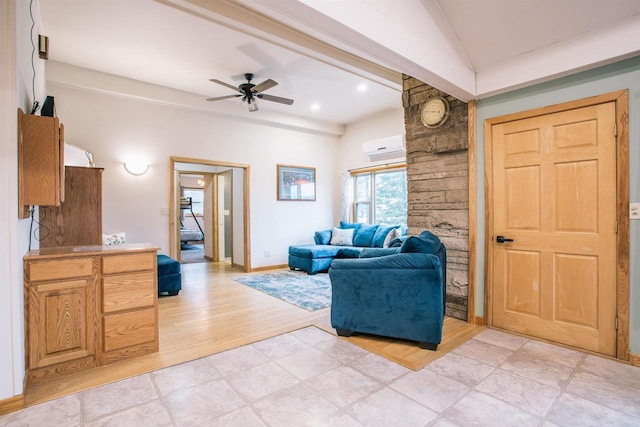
502, 239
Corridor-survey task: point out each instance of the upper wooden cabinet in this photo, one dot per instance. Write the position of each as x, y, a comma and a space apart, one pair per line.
40, 162
78, 220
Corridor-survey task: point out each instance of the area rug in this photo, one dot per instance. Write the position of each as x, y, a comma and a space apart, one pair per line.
311, 292
192, 254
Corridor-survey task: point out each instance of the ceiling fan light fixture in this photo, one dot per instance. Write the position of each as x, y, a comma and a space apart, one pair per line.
248, 92
252, 105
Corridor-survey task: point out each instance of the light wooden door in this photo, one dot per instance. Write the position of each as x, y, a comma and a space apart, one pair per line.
554, 194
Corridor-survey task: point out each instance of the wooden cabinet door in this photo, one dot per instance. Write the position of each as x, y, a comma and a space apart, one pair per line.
40, 162
61, 322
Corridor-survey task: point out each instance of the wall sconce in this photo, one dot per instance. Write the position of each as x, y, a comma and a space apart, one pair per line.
136, 167
200, 182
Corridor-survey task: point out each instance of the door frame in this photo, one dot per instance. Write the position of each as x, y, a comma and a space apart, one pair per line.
174, 230
621, 99
228, 174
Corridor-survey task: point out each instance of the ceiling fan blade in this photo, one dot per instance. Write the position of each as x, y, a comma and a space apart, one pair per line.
225, 84
223, 97
275, 99
261, 87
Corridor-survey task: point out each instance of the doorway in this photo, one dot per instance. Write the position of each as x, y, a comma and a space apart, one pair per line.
557, 224
195, 217
223, 209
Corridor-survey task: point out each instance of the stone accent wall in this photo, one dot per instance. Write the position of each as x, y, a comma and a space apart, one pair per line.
438, 185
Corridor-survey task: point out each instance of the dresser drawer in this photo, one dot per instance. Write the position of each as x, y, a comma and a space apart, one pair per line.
128, 291
55, 269
130, 328
128, 262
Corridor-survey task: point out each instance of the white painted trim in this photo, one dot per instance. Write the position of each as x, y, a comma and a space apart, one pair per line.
604, 47
360, 29
432, 55
11, 311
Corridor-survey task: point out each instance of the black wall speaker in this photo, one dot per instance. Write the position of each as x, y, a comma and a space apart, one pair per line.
48, 107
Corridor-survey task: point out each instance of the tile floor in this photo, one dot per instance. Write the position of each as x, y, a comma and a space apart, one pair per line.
311, 378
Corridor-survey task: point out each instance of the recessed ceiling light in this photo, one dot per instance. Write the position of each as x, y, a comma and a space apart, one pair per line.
315, 106
362, 87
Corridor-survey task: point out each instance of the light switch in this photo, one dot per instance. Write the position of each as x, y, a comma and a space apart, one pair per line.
634, 210
164, 211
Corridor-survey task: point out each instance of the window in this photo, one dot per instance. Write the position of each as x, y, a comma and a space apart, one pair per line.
381, 196
197, 200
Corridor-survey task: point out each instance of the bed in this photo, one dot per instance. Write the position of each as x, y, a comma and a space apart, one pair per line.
187, 235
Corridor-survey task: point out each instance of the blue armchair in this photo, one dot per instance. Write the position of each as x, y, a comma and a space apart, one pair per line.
395, 292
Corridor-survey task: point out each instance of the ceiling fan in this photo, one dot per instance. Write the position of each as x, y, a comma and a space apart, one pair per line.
249, 92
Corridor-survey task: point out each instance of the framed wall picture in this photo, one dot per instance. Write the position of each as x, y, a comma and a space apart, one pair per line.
296, 183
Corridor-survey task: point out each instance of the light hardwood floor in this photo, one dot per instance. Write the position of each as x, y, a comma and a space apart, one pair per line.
213, 313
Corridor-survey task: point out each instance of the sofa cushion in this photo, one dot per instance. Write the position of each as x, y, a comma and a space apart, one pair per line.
354, 225
376, 252
349, 252
426, 242
397, 241
314, 251
322, 237
342, 236
381, 233
364, 235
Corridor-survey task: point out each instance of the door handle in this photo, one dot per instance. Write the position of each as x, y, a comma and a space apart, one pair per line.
502, 239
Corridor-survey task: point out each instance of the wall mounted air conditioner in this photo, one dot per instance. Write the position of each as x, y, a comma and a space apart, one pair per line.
393, 146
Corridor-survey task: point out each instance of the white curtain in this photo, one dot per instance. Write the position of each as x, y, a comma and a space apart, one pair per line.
346, 201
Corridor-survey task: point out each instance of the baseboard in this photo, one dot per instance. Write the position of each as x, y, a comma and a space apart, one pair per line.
634, 359
269, 267
478, 320
11, 404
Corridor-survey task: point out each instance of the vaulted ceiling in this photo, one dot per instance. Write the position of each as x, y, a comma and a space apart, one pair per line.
346, 57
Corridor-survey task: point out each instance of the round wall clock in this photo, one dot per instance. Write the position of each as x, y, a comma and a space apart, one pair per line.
435, 112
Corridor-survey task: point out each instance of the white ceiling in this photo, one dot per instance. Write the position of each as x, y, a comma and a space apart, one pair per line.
456, 45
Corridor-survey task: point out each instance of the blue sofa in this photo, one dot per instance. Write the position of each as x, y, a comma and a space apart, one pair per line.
317, 257
395, 292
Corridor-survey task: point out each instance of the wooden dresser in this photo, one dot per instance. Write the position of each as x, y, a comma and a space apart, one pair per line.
87, 306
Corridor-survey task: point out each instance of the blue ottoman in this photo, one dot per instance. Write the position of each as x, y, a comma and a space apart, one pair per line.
169, 276
312, 258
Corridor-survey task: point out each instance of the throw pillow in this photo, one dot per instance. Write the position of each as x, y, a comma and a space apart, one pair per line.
322, 237
113, 239
341, 236
395, 232
363, 236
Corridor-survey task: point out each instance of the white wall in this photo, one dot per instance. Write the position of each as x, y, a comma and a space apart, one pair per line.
17, 82
384, 124
115, 127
